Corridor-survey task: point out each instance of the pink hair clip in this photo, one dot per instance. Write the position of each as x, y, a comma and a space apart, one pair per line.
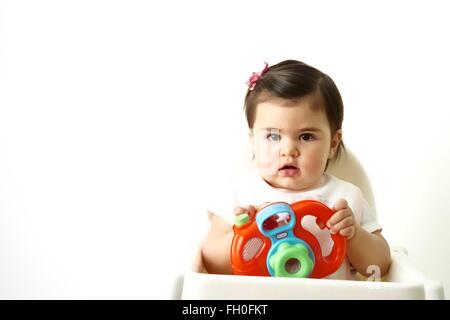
255, 76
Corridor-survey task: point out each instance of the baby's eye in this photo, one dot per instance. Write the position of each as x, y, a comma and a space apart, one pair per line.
306, 137
273, 137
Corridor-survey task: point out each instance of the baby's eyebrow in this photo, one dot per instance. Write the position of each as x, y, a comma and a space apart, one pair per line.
309, 129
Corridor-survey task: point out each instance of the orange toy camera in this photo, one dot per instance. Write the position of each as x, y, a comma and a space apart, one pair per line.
274, 243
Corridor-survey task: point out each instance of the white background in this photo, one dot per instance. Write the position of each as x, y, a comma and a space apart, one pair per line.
115, 115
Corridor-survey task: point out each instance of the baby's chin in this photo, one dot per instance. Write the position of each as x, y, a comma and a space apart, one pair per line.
287, 183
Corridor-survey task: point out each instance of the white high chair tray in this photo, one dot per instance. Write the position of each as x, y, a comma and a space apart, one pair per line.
403, 281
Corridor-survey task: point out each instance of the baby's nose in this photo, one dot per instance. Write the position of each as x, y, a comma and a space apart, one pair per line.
290, 151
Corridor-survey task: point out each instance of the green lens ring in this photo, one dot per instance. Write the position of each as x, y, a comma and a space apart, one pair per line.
286, 252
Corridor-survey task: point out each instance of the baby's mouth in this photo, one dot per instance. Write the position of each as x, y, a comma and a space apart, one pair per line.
288, 170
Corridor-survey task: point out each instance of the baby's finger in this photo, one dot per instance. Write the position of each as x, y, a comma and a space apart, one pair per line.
338, 216
346, 222
348, 232
245, 209
250, 209
340, 204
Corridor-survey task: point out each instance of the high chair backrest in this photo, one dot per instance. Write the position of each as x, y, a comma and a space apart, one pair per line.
348, 168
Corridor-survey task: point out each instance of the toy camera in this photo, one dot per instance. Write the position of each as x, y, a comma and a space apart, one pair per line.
274, 243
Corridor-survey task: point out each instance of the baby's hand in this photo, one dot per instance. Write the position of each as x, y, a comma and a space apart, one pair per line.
250, 210
343, 220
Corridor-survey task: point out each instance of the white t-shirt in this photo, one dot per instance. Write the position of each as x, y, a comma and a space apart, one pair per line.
252, 189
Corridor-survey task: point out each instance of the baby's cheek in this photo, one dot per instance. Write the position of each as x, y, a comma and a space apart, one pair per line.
315, 162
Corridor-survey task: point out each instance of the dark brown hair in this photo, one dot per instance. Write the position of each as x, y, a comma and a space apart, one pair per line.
292, 80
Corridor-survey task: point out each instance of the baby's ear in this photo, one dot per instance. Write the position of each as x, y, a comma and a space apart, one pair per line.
335, 141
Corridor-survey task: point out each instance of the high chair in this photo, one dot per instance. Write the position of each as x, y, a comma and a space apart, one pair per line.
403, 281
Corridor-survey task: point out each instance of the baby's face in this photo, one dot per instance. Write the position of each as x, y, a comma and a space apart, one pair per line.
292, 142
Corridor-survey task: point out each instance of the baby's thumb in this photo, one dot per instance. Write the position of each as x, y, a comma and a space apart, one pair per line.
250, 209
246, 209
